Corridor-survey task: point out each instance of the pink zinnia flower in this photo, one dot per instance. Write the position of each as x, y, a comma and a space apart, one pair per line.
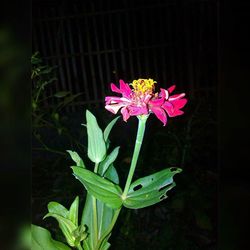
141, 100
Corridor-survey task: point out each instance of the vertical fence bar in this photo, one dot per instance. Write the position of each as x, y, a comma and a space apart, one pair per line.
73, 57
91, 59
110, 18
66, 58
130, 55
136, 53
146, 50
35, 45
120, 33
105, 46
44, 54
170, 48
154, 49
189, 52
163, 48
196, 44
100, 70
56, 33
51, 49
200, 13
83, 67
179, 40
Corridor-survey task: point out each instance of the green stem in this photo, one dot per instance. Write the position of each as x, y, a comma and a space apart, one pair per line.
95, 222
79, 247
110, 228
138, 143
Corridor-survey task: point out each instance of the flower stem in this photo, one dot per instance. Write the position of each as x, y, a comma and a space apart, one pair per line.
110, 228
95, 223
138, 143
79, 247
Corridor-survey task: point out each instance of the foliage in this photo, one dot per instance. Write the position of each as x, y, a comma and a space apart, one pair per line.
105, 197
48, 107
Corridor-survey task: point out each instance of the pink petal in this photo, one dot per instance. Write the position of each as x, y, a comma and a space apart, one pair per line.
125, 89
115, 99
160, 114
114, 108
147, 98
171, 89
156, 102
179, 103
171, 109
125, 114
164, 93
160, 100
115, 89
177, 96
109, 99
135, 110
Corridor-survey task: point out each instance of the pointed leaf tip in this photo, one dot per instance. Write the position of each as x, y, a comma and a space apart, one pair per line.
96, 144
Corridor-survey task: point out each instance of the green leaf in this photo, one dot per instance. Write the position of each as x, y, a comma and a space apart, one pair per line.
105, 216
104, 165
109, 128
105, 213
87, 219
151, 189
101, 188
76, 158
112, 175
61, 94
56, 208
96, 143
86, 245
66, 226
73, 211
80, 234
41, 239
68, 220
105, 244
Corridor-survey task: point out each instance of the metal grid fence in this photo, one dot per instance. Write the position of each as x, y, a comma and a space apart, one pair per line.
97, 42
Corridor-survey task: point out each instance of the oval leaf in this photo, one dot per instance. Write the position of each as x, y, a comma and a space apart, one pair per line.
101, 188
104, 165
76, 158
96, 143
73, 211
109, 128
112, 175
41, 239
66, 226
56, 208
151, 189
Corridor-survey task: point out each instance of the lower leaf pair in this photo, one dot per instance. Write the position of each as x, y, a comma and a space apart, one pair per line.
142, 193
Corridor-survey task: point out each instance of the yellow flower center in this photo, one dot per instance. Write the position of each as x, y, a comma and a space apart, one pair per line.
143, 86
